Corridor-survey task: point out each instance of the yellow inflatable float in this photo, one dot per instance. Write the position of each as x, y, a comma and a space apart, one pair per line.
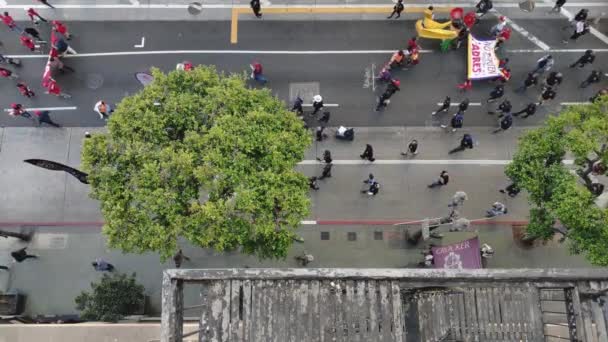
429, 28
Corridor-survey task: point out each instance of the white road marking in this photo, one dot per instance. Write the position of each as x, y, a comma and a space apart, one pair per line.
45, 108
134, 2
574, 103
457, 104
308, 222
143, 42
271, 52
420, 162
525, 33
224, 6
324, 105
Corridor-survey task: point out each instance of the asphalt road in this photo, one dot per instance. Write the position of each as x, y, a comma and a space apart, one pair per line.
340, 77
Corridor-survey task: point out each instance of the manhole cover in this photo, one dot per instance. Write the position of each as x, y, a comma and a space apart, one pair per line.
94, 81
195, 8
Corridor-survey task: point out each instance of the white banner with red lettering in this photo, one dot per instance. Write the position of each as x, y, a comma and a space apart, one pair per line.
483, 62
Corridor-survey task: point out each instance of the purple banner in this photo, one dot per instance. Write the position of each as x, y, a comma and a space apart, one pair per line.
463, 254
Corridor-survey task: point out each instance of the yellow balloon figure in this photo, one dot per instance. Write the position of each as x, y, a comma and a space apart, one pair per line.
429, 28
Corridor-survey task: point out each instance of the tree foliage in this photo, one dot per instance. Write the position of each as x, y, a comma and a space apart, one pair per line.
199, 155
114, 297
562, 196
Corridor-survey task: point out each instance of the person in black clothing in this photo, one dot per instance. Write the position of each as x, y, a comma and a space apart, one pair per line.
312, 183
326, 171
531, 80
179, 258
504, 124
319, 133
463, 106
547, 94
581, 15
21, 255
465, 142
594, 77
445, 106
587, 58
412, 148
45, 2
504, 108
326, 157
512, 190
601, 92
463, 34
297, 106
385, 97
256, 7
368, 153
443, 179
558, 6
483, 6
554, 79
397, 9
44, 117
32, 32
529, 110
497, 93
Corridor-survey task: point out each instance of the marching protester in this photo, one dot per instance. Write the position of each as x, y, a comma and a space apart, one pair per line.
465, 143
312, 183
445, 106
504, 123
373, 184
456, 122
317, 104
594, 77
547, 94
6, 73
34, 16
43, 116
580, 28
10, 22
256, 73
56, 63
496, 93
529, 110
587, 58
554, 79
368, 153
530, 81
544, 64
558, 6
412, 148
385, 97
326, 157
25, 90
61, 28
442, 180
17, 109
326, 171
297, 106
397, 9
504, 108
256, 7
53, 88
496, 29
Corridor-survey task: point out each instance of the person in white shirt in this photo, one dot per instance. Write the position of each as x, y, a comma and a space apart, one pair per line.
496, 29
103, 109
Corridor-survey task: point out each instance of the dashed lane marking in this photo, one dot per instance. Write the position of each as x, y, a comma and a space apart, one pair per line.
420, 162
273, 52
45, 108
457, 104
525, 33
324, 105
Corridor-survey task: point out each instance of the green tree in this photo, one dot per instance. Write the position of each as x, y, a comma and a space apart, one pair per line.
114, 297
200, 155
563, 197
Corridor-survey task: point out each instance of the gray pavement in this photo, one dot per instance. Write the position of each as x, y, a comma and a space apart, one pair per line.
340, 78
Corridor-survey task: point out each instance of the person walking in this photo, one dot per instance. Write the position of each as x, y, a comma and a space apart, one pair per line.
43, 116
412, 148
21, 255
10, 22
256, 73
312, 183
102, 266
103, 109
544, 64
317, 104
504, 108
397, 9
297, 106
29, 43
496, 29
483, 7
59, 27
594, 77
25, 90
581, 15
442, 180
456, 122
465, 143
17, 109
529, 110
445, 106
374, 186
6, 73
56, 63
256, 7
458, 200
512, 190
384, 99
547, 94
33, 33
587, 58
326, 157
368, 153
319, 133
530, 81
554, 79
463, 105
179, 258
46, 3
497, 209
504, 123
53, 88
497, 93
34, 16
558, 6
598, 95
326, 173
580, 28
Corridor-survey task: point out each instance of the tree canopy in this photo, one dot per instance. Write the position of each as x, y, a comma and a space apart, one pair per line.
199, 155
563, 197
114, 297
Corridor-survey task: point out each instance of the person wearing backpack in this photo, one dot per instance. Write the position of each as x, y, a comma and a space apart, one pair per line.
587, 58
504, 108
505, 123
496, 93
397, 9
483, 7
456, 121
529, 110
465, 142
580, 28
545, 63
443, 179
594, 77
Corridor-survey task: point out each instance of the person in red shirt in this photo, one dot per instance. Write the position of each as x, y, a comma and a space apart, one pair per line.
10, 22
34, 16
28, 43
7, 73
503, 36
54, 89
61, 28
467, 85
256, 72
412, 44
18, 110
25, 90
